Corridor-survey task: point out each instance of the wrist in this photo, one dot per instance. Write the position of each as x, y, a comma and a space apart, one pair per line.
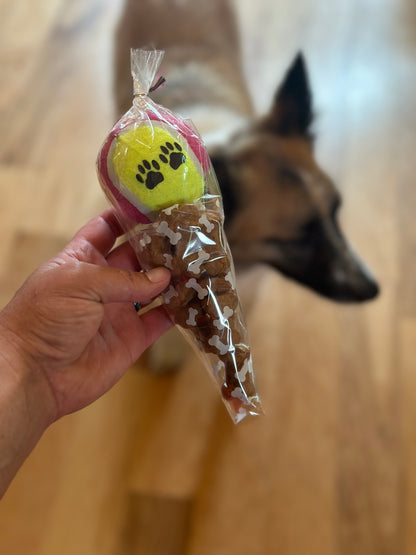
27, 406
18, 366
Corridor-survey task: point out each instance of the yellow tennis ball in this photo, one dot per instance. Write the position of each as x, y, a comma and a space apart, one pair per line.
157, 167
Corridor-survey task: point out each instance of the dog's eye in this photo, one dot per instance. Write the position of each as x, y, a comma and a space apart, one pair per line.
289, 175
336, 205
310, 227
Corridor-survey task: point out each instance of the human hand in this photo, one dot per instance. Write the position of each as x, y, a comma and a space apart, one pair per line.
73, 323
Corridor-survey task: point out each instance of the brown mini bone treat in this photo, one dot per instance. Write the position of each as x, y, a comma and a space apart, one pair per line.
217, 264
188, 216
202, 334
230, 389
192, 316
221, 305
162, 247
236, 329
195, 237
201, 241
213, 332
240, 355
155, 249
182, 212
208, 264
218, 341
244, 380
216, 284
178, 295
200, 257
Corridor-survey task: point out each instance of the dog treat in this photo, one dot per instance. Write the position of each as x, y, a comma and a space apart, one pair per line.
155, 170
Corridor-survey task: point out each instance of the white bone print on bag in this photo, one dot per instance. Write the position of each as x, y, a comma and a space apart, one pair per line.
222, 321
145, 240
191, 318
170, 293
164, 229
229, 278
203, 220
168, 261
193, 284
195, 266
215, 341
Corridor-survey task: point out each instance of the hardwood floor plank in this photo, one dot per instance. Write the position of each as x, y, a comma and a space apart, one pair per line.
406, 361
155, 525
170, 455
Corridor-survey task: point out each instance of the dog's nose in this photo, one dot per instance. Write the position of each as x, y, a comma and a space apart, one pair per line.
366, 286
356, 285
369, 290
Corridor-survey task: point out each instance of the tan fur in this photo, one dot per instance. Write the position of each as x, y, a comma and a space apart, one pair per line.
202, 61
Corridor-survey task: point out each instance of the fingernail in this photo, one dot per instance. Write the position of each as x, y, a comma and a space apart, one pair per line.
156, 275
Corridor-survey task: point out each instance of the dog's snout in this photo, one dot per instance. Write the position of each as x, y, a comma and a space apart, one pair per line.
344, 276
353, 284
337, 272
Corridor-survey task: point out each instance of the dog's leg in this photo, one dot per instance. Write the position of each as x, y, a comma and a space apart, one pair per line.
249, 285
169, 353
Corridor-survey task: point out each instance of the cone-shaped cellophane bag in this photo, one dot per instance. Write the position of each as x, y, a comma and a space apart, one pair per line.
156, 172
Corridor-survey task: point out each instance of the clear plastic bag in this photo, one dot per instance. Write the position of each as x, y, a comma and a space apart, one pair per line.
156, 172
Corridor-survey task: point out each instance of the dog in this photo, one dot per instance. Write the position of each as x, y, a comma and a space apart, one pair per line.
280, 207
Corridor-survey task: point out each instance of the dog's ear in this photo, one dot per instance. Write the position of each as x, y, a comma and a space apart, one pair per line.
229, 197
292, 112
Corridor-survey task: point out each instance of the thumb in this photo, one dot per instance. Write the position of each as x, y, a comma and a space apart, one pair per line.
113, 285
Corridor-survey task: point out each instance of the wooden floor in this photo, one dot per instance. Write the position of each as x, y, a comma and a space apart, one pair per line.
156, 467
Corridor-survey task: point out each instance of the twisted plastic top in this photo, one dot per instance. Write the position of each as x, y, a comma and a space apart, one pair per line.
144, 65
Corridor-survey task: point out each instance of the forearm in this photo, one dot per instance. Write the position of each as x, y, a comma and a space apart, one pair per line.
24, 410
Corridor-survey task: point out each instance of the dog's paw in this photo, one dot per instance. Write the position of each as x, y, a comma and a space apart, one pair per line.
172, 154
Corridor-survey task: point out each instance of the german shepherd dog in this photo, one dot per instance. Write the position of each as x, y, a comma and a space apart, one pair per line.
280, 206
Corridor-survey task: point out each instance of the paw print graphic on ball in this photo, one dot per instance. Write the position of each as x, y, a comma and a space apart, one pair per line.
156, 168
172, 154
148, 176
